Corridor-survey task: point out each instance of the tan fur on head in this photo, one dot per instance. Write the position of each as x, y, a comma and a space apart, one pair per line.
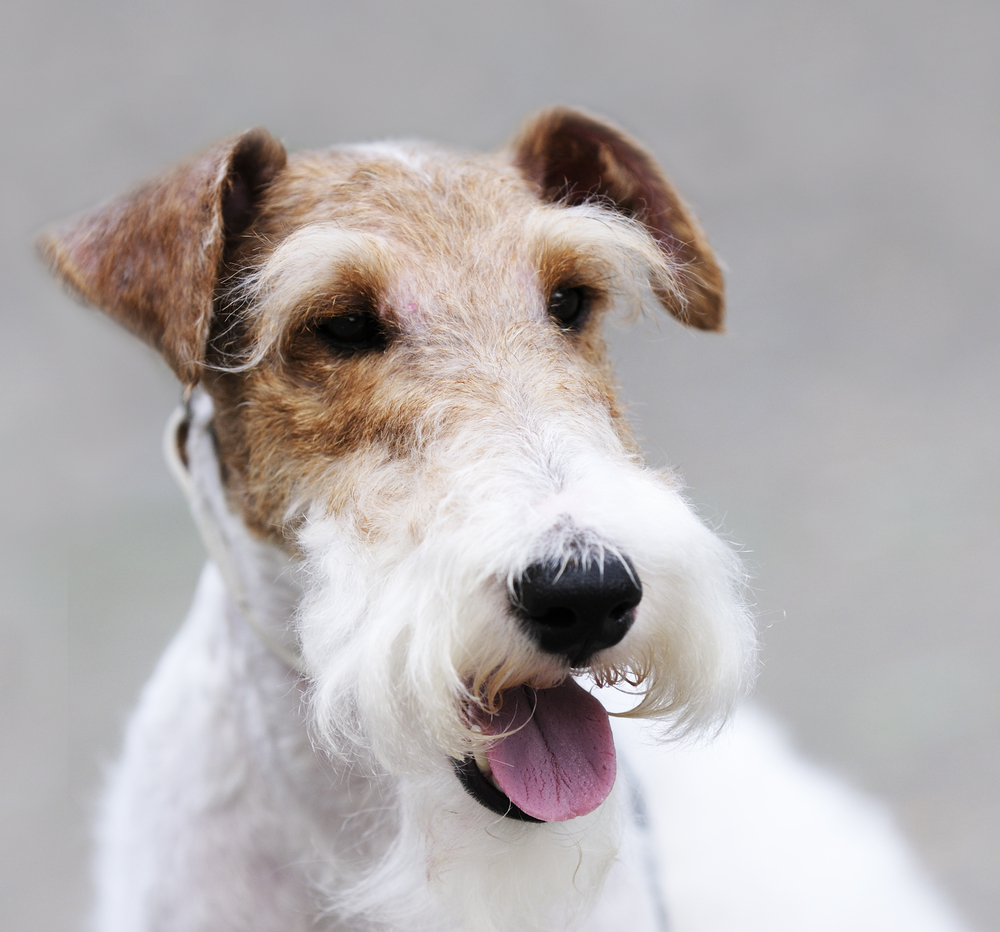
230, 262
235, 256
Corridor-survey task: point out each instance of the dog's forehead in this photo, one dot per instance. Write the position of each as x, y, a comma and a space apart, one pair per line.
418, 197
439, 232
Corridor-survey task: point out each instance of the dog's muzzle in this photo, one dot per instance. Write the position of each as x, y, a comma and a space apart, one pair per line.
554, 756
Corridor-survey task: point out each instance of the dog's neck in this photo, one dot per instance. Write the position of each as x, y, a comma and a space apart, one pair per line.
261, 579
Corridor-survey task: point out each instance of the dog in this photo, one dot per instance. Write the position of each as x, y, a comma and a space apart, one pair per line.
457, 654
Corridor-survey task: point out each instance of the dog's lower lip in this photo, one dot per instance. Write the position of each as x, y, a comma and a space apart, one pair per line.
482, 790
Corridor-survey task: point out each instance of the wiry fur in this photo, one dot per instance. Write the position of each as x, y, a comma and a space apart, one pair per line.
291, 765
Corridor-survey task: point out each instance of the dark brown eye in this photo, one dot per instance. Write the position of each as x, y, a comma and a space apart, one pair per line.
354, 331
568, 306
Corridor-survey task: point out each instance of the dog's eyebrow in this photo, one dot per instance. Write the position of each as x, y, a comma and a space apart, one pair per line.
307, 265
623, 251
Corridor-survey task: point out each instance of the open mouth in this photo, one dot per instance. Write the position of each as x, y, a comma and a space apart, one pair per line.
553, 758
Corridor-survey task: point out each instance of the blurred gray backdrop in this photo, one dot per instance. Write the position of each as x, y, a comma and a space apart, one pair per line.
843, 157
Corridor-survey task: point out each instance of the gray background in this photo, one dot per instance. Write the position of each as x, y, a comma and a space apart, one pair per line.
843, 157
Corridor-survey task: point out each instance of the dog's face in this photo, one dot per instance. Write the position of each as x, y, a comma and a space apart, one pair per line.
403, 347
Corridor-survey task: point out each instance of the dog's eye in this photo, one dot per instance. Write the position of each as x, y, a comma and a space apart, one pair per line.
568, 306
353, 331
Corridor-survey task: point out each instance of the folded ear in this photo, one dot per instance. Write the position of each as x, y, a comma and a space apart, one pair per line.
152, 258
573, 157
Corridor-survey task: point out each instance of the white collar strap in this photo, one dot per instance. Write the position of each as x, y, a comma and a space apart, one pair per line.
261, 579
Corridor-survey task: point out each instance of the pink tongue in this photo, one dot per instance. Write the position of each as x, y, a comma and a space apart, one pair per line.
558, 759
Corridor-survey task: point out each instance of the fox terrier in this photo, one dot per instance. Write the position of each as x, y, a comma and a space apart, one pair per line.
448, 665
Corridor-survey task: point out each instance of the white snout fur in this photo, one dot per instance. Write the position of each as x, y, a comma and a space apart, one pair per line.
400, 630
404, 631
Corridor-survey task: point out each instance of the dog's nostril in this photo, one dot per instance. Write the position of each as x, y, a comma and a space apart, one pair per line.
618, 612
578, 609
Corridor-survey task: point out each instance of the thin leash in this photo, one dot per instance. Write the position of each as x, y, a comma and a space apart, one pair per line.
179, 429
650, 859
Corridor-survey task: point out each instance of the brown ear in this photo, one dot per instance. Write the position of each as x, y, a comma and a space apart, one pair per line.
151, 259
573, 157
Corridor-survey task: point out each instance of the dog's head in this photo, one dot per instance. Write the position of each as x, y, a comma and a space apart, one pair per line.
412, 396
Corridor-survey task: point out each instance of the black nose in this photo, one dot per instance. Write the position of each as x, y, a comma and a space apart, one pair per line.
578, 609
